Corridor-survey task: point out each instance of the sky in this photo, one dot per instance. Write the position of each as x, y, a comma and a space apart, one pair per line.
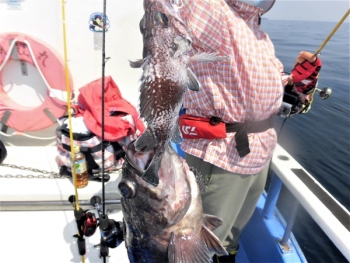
309, 10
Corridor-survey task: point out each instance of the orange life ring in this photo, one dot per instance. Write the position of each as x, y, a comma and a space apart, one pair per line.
51, 68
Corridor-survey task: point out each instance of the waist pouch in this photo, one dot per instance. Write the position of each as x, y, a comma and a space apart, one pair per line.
213, 128
193, 127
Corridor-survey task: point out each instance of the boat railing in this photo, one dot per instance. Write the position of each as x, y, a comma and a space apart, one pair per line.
332, 217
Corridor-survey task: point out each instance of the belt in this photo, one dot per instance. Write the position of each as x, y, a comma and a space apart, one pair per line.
242, 130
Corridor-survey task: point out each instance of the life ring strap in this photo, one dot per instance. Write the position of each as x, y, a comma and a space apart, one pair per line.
4, 120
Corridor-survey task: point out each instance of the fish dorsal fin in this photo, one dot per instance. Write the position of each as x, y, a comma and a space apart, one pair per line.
213, 243
176, 136
212, 222
137, 63
199, 179
192, 82
187, 248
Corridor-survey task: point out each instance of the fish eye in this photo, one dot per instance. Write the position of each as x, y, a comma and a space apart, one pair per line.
127, 189
142, 25
161, 19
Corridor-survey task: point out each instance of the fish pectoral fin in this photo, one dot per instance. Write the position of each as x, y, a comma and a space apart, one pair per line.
146, 142
199, 179
187, 248
212, 242
212, 222
151, 173
192, 81
176, 136
208, 57
137, 63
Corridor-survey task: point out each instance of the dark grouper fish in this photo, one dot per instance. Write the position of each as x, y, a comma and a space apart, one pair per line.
165, 78
165, 223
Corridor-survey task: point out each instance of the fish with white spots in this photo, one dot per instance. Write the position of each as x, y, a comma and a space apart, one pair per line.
165, 78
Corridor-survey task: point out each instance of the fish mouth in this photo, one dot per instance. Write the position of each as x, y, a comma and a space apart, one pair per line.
138, 161
182, 45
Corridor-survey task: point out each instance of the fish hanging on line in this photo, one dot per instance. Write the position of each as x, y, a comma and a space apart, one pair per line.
165, 78
166, 223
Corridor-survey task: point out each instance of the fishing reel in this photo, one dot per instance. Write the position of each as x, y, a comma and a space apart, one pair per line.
292, 103
112, 232
86, 224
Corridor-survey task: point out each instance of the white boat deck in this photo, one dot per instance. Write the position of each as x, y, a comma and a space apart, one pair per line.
47, 236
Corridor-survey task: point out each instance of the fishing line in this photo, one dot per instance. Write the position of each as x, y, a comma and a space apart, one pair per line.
280, 131
74, 177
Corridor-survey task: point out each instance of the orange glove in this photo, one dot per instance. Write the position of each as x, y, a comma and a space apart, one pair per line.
305, 72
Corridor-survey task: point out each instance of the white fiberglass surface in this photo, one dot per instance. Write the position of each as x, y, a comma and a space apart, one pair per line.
48, 237
26, 89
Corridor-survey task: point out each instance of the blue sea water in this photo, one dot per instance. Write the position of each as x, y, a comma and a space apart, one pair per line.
320, 139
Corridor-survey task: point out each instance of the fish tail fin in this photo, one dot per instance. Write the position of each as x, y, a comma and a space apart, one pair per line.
151, 173
212, 242
187, 248
146, 142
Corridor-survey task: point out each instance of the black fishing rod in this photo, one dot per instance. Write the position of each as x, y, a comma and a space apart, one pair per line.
103, 102
103, 219
111, 232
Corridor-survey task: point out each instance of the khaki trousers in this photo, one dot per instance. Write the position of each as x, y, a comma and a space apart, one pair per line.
230, 196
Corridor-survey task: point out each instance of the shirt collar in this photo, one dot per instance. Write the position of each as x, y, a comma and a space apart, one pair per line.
245, 10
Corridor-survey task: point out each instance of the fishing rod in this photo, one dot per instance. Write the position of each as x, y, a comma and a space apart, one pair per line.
78, 213
103, 102
111, 231
290, 101
332, 33
103, 218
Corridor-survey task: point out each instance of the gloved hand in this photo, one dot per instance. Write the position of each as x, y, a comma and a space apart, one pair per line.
305, 72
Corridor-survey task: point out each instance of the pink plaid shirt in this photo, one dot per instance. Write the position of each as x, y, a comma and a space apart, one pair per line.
245, 87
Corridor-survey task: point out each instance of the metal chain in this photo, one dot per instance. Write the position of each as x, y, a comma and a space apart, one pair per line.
52, 175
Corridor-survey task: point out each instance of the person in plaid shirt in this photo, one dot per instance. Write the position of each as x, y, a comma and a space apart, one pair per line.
244, 91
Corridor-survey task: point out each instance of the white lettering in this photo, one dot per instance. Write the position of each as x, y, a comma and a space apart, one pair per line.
189, 130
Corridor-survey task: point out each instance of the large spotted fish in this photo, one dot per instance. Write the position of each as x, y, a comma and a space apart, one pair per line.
165, 223
165, 78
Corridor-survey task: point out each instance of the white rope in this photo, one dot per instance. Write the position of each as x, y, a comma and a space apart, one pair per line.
26, 135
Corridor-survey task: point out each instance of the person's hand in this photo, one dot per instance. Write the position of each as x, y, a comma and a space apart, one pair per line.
305, 72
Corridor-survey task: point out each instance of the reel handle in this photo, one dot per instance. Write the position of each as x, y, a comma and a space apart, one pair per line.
325, 92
